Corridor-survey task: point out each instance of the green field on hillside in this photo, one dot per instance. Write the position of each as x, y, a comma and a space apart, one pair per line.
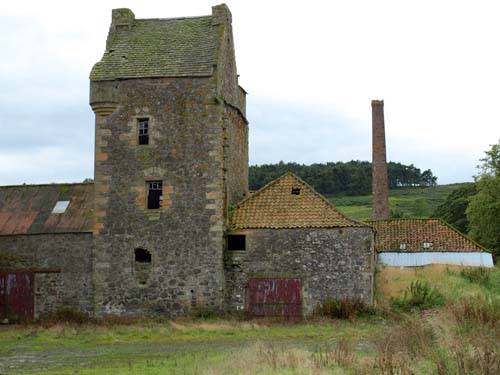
408, 202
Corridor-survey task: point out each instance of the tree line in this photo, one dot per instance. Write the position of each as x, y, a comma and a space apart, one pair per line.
341, 178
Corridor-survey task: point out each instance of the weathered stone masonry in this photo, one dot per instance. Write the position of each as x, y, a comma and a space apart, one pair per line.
332, 263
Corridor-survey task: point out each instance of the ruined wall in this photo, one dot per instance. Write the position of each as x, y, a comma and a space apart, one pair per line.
69, 253
334, 263
185, 236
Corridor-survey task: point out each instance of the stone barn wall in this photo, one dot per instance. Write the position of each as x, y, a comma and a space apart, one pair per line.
333, 263
62, 264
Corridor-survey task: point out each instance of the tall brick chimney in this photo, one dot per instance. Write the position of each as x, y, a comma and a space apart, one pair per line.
380, 180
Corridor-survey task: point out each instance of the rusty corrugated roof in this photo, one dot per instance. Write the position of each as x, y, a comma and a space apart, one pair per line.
27, 209
409, 235
275, 206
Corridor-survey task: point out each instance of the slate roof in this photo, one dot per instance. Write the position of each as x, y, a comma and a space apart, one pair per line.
390, 234
274, 206
27, 209
177, 47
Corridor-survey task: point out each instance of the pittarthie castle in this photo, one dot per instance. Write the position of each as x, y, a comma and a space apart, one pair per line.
168, 224
160, 230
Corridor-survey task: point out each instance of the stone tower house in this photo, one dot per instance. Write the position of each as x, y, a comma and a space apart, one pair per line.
171, 158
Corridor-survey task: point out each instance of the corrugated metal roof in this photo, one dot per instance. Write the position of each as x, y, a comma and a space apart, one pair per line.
390, 235
276, 206
27, 209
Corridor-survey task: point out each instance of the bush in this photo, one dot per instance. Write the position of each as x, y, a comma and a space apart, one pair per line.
344, 308
419, 296
478, 275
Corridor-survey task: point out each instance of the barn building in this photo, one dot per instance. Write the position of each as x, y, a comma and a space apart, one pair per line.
420, 242
168, 224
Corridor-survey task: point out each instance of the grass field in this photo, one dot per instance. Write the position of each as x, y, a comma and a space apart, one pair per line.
410, 202
460, 337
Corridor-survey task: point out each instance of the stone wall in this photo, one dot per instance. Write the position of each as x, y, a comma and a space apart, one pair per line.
67, 261
235, 155
334, 263
184, 236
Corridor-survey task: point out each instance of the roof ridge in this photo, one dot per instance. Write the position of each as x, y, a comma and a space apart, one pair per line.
173, 18
46, 184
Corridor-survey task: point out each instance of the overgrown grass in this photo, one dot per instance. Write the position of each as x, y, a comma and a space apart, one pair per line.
462, 337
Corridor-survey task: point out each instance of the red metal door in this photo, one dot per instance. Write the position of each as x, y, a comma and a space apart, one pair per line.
17, 295
274, 297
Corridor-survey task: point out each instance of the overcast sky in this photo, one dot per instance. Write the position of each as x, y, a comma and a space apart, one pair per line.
311, 69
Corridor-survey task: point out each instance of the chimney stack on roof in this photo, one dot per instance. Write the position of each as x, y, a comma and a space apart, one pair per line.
380, 179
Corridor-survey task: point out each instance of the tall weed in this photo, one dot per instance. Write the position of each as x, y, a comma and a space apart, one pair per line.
419, 296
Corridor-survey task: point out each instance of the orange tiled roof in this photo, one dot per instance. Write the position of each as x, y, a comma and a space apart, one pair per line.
274, 206
391, 234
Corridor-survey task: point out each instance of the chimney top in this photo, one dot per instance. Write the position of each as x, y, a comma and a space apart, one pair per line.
377, 102
122, 17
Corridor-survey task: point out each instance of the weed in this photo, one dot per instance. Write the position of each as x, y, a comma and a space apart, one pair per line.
65, 314
477, 313
342, 308
478, 275
419, 296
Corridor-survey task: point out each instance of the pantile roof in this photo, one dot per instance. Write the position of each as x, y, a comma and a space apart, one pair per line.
27, 209
409, 235
276, 206
177, 47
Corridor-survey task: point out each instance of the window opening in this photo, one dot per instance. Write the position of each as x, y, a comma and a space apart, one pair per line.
143, 125
427, 245
402, 246
142, 256
60, 207
155, 194
236, 242
295, 191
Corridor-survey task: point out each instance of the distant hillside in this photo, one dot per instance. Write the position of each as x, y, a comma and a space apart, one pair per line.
405, 202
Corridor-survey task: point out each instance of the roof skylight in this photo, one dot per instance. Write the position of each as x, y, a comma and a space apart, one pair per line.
60, 207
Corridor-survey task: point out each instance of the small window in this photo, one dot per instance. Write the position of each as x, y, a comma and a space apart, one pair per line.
427, 245
295, 191
155, 194
142, 256
143, 131
236, 242
60, 207
402, 246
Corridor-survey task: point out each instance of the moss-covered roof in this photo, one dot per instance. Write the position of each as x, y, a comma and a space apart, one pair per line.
177, 47
288, 202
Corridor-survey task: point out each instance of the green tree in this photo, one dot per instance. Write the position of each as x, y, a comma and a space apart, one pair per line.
483, 212
453, 209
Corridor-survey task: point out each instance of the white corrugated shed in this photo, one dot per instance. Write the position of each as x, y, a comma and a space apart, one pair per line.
417, 259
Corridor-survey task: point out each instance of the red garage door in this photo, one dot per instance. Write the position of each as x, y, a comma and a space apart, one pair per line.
16, 295
274, 297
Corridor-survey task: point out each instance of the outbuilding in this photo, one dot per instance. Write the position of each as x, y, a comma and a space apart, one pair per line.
290, 249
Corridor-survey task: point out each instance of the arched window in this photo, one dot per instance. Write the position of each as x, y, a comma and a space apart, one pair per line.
142, 256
